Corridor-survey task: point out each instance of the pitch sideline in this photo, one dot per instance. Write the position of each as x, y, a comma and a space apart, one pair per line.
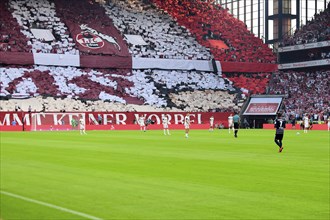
50, 205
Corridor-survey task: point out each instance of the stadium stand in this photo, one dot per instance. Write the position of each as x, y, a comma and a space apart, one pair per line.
250, 83
307, 91
148, 87
317, 29
181, 30
211, 22
39, 23
88, 15
163, 37
12, 39
208, 100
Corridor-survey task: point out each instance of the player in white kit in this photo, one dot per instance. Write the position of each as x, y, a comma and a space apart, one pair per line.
211, 123
306, 123
187, 124
142, 124
82, 125
230, 123
165, 122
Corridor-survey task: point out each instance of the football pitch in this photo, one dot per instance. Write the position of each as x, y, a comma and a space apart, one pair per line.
147, 175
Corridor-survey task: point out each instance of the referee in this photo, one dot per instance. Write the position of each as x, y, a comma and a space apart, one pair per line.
236, 121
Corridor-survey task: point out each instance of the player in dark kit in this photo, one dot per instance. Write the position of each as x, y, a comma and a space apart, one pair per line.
279, 125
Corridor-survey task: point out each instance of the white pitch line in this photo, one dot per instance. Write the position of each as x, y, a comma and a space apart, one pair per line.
50, 205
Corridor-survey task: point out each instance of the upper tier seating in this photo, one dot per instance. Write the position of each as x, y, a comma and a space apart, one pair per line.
208, 21
318, 29
11, 38
164, 37
41, 14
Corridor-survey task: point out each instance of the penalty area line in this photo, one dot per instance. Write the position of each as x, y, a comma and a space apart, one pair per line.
50, 205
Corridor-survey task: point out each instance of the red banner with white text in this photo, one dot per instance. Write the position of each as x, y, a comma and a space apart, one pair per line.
63, 121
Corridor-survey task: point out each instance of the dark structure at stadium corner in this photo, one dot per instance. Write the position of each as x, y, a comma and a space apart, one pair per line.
281, 16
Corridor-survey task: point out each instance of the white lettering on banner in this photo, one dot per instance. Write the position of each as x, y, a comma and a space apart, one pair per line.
192, 118
58, 121
26, 119
18, 120
136, 118
121, 120
178, 119
199, 118
92, 118
6, 120
106, 120
169, 118
38, 118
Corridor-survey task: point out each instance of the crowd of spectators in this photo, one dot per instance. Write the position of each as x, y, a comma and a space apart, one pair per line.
206, 20
208, 100
143, 87
41, 14
54, 104
175, 29
11, 38
317, 29
250, 83
67, 82
307, 92
163, 36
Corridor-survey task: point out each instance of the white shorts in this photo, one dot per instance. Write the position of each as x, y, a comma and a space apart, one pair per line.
230, 125
186, 126
306, 125
82, 127
165, 126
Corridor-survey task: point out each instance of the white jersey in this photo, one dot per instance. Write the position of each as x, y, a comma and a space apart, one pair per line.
212, 121
165, 122
141, 121
187, 121
306, 122
230, 120
82, 123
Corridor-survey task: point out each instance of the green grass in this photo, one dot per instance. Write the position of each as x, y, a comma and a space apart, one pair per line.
136, 175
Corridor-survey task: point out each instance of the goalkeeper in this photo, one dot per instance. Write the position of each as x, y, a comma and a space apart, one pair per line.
73, 123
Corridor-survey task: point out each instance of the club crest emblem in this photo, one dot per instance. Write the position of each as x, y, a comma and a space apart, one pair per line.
93, 39
90, 40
